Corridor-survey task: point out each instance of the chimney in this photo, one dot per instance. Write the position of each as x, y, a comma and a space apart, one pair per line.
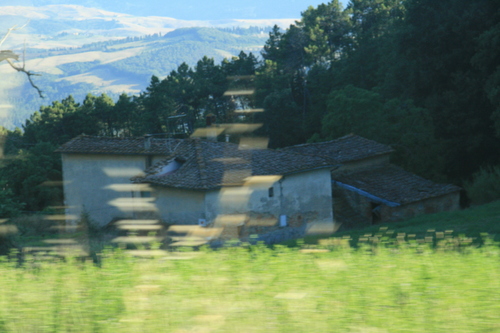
210, 119
147, 141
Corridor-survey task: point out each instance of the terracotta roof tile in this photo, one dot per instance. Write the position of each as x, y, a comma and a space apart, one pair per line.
213, 164
118, 146
392, 183
345, 149
206, 164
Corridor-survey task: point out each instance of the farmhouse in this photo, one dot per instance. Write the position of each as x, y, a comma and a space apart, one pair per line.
192, 181
367, 189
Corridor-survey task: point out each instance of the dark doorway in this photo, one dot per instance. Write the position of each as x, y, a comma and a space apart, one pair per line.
376, 218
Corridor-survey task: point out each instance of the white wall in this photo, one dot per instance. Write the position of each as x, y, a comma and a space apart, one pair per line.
100, 184
307, 194
179, 206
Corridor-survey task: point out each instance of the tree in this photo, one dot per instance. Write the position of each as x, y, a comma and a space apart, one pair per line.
395, 122
327, 28
31, 177
283, 119
210, 83
272, 47
451, 59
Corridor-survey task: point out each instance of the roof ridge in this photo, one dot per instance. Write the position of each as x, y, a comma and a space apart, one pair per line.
328, 141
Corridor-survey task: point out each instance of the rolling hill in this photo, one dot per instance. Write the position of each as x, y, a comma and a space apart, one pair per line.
79, 50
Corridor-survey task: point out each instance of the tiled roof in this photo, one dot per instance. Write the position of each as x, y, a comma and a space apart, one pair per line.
205, 164
87, 144
345, 149
210, 164
393, 184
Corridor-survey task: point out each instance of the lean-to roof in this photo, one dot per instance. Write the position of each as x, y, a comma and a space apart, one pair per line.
394, 184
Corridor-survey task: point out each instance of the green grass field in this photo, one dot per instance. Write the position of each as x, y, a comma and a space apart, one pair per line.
471, 223
390, 282
406, 289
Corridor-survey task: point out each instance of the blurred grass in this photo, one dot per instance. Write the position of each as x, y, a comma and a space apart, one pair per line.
331, 288
412, 276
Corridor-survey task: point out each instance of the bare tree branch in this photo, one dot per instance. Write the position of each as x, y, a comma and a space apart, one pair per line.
29, 74
9, 55
10, 30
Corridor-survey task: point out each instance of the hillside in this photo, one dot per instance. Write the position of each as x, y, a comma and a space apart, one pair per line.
107, 52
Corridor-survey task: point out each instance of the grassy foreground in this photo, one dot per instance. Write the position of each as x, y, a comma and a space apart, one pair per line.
471, 223
398, 287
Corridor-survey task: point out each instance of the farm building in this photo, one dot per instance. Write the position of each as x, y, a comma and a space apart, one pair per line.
367, 189
190, 181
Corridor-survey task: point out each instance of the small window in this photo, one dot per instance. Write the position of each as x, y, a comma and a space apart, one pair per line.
271, 192
172, 166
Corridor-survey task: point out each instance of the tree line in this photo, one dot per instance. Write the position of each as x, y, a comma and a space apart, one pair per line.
419, 75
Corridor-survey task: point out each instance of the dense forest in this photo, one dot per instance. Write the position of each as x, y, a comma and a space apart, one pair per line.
420, 75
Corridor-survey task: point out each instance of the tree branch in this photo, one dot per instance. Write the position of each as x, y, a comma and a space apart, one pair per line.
10, 30
29, 74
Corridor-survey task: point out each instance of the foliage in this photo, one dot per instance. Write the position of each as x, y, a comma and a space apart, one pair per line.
398, 123
283, 118
34, 177
410, 73
484, 186
294, 290
9, 207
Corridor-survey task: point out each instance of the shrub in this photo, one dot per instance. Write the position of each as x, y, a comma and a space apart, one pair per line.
484, 186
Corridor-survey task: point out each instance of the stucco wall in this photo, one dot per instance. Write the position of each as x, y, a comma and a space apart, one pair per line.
178, 206
100, 184
241, 200
356, 209
445, 203
350, 208
306, 194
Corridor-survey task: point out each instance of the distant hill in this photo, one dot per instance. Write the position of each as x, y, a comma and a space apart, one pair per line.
80, 50
72, 25
116, 66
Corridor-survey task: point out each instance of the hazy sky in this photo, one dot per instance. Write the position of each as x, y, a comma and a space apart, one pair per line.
190, 9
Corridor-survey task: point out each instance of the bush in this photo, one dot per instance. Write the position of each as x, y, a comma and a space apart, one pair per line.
484, 186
